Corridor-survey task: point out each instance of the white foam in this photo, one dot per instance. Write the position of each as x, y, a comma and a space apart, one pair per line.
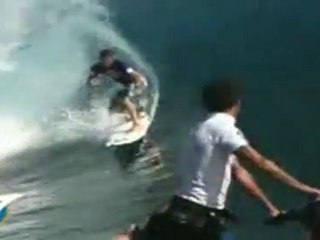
16, 136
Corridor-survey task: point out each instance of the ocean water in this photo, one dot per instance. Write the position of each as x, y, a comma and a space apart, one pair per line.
50, 147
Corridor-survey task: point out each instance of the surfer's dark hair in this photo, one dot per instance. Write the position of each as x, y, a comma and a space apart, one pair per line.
221, 95
105, 53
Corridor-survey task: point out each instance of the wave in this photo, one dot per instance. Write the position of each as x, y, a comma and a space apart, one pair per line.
46, 48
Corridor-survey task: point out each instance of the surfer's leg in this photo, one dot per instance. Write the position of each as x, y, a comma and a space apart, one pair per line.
123, 99
130, 108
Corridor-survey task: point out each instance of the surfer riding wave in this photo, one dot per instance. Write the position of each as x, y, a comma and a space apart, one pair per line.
109, 66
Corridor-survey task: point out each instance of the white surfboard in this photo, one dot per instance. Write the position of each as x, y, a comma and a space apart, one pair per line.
122, 135
5, 201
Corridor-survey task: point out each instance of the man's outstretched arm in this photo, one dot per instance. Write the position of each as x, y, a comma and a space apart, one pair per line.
252, 155
248, 182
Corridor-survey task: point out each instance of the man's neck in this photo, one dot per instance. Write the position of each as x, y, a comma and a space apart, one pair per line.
232, 112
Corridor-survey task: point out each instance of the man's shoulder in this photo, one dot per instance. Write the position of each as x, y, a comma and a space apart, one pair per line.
215, 125
119, 65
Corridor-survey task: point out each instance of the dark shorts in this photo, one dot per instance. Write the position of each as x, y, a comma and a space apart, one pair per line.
123, 94
119, 97
182, 220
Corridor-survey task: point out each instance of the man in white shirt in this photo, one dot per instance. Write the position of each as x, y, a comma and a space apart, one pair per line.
214, 154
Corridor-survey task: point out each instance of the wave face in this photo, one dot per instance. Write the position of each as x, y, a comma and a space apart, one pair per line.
46, 48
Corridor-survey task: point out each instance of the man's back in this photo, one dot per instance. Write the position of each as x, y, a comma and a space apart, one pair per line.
205, 170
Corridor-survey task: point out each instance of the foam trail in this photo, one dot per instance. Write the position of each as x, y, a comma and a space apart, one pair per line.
45, 49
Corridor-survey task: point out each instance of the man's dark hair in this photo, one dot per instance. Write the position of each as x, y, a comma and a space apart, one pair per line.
220, 95
105, 53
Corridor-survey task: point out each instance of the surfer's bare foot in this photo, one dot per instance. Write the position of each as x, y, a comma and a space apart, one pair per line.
135, 127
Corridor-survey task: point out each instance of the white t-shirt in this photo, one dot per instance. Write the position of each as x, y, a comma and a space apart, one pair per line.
205, 170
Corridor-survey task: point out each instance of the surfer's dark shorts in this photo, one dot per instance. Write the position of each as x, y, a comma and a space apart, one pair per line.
182, 220
123, 94
120, 96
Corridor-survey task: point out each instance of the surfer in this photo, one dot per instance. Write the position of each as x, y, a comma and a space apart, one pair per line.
216, 150
123, 74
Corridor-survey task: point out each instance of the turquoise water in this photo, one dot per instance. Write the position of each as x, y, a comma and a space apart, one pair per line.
76, 189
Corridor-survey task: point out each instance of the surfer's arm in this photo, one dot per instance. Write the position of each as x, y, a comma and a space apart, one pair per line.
137, 77
249, 183
92, 75
269, 166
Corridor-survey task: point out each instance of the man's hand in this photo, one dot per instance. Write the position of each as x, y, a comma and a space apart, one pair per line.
248, 182
316, 193
250, 154
91, 79
274, 212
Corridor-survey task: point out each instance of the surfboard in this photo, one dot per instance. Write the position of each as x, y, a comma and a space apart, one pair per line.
5, 201
121, 134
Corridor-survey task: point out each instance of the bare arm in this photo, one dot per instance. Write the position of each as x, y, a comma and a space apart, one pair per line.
92, 75
138, 78
250, 154
245, 178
